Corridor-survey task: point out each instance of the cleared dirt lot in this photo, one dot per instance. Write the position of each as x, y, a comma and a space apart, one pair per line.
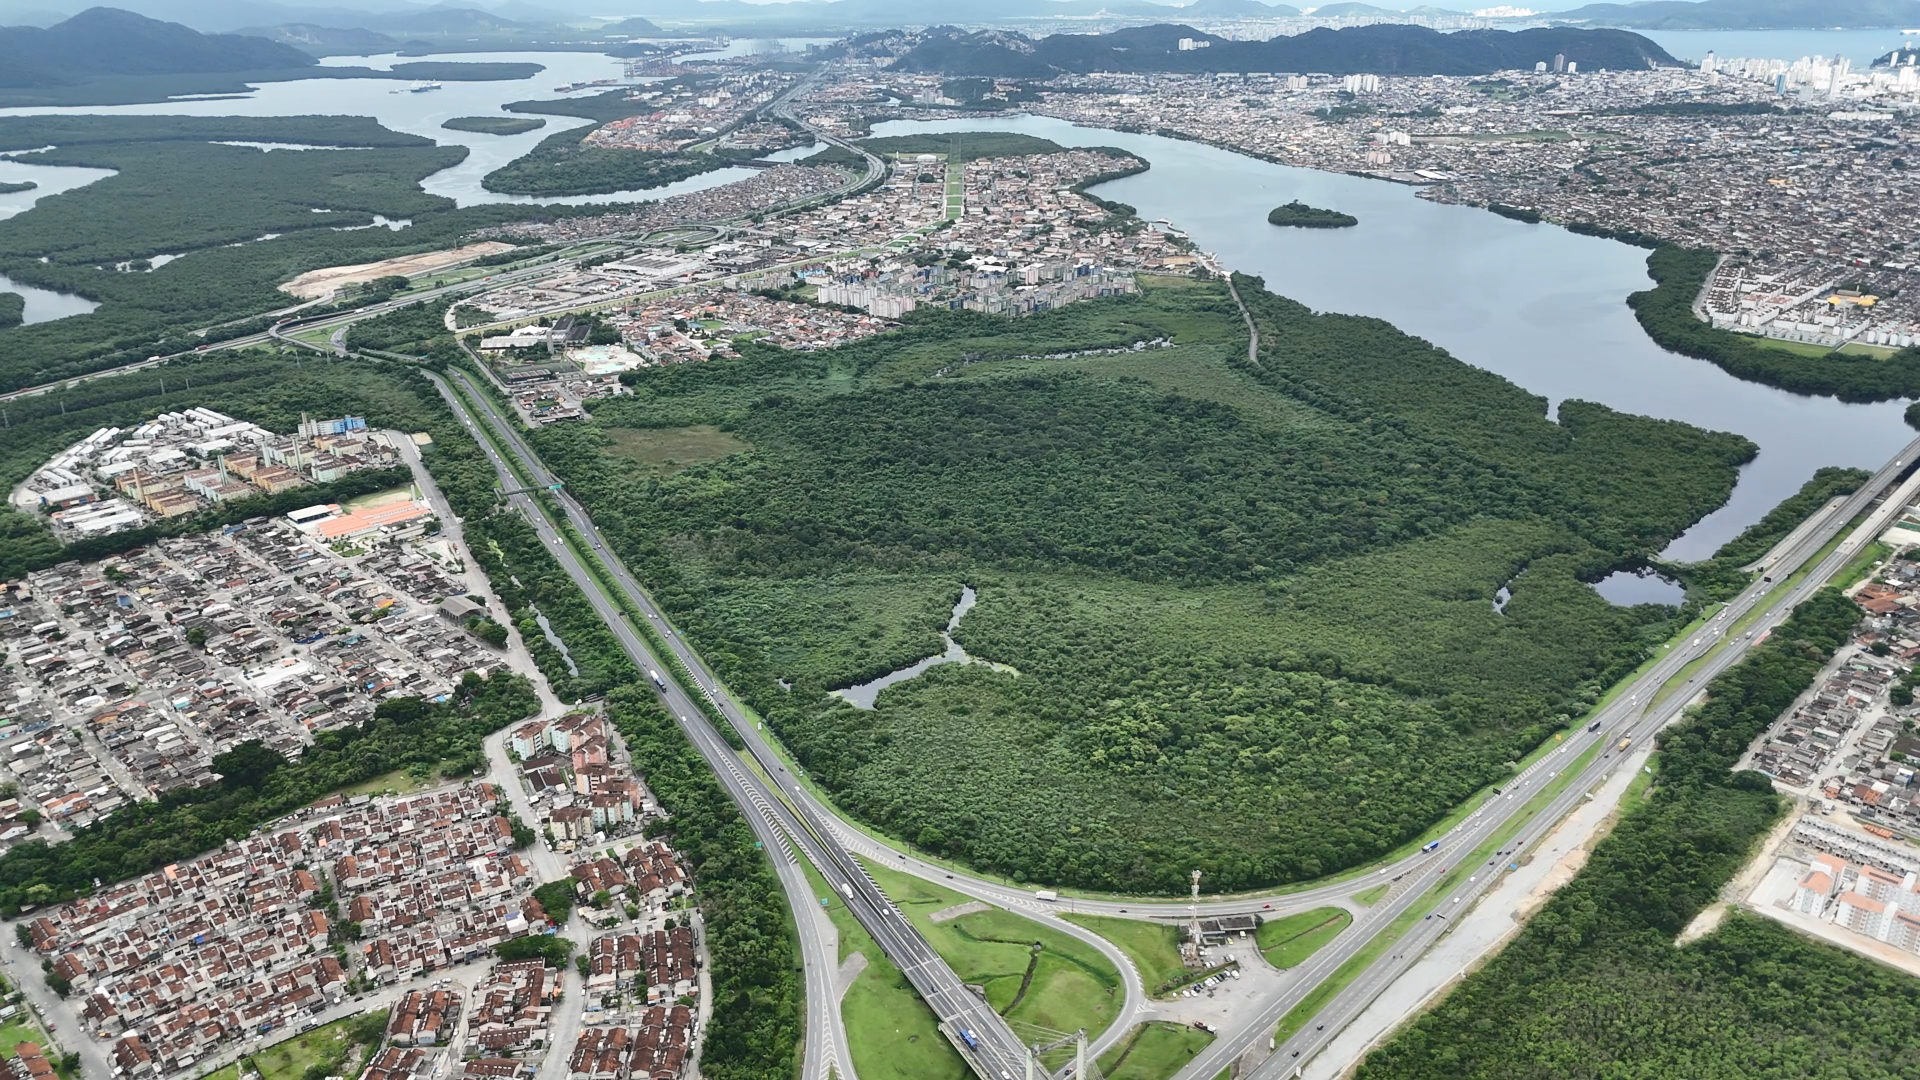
315, 284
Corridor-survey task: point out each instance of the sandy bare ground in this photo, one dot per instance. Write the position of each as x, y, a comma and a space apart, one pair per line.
315, 284
950, 913
1494, 920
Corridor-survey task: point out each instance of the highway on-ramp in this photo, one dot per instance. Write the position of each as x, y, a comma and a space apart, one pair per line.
756, 783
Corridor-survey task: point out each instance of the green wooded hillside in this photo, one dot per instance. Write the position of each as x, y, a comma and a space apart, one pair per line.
1251, 608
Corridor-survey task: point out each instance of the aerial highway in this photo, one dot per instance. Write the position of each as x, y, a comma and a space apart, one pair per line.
1635, 715
990, 1046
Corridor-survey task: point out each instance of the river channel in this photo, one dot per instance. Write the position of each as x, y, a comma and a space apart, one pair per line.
862, 696
1539, 305
1534, 303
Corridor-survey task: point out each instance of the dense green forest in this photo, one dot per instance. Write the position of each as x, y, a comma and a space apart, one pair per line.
13, 309
1666, 312
1250, 607
495, 125
964, 145
1299, 214
9, 187
1594, 987
177, 191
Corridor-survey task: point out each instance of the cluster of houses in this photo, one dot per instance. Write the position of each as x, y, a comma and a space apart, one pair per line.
511, 1009
653, 1048
1797, 750
424, 1017
246, 939
183, 462
575, 781
660, 963
125, 677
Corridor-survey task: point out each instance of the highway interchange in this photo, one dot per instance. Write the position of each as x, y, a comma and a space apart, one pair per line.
792, 822
791, 809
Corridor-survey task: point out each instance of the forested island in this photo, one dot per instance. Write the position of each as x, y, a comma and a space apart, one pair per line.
1179, 553
10, 187
171, 172
495, 125
1299, 214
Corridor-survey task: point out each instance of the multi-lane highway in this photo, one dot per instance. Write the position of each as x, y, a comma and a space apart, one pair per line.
1634, 715
771, 800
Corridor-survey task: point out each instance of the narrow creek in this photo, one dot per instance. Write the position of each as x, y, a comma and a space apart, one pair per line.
546, 629
863, 695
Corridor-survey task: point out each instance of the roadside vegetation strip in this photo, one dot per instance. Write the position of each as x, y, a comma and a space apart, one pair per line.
1287, 942
1155, 1050
1154, 947
1370, 897
1032, 973
1607, 936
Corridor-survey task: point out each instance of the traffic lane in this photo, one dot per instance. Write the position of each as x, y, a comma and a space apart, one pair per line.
1358, 995
637, 650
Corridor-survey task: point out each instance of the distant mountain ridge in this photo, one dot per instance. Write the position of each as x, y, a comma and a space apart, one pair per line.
102, 42
1382, 49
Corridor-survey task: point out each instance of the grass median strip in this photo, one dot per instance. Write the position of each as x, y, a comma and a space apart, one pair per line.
1154, 1051
1153, 947
1033, 974
891, 1033
1288, 941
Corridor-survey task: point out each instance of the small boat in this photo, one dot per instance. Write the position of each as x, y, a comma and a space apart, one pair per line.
423, 87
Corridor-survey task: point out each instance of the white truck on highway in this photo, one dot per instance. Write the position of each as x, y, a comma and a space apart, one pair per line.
657, 680
1046, 894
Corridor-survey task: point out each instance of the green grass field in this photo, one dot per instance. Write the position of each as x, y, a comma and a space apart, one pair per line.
291, 1059
1153, 1051
1288, 941
669, 450
1370, 897
1153, 947
21, 1028
891, 1034
1062, 985
397, 782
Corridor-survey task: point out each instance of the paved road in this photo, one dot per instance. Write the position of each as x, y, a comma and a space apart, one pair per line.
819, 949
1634, 715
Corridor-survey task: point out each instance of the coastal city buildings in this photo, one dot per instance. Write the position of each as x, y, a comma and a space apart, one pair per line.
184, 462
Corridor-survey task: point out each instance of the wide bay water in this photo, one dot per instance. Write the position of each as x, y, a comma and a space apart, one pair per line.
1537, 304
1534, 303
1860, 46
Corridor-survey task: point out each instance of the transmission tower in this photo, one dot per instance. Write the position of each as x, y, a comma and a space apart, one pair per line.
1193, 924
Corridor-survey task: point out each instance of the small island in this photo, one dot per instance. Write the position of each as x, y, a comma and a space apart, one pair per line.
495, 125
9, 187
1299, 214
